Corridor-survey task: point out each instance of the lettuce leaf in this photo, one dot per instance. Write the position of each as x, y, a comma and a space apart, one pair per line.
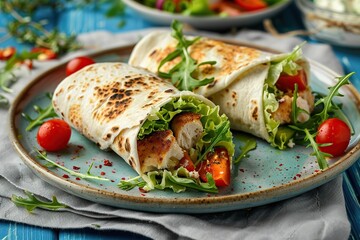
211, 121
179, 180
287, 65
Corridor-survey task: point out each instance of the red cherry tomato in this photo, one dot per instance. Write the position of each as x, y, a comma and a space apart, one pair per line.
251, 5
218, 164
54, 135
337, 133
44, 53
7, 53
187, 163
78, 63
287, 82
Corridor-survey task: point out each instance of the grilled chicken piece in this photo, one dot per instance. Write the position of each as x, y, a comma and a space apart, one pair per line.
283, 113
159, 151
309, 97
187, 129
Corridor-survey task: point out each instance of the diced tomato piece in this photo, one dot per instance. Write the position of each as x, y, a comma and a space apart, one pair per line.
44, 53
187, 163
251, 5
218, 164
287, 82
7, 53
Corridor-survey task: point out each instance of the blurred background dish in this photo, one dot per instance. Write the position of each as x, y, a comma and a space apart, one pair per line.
335, 21
207, 22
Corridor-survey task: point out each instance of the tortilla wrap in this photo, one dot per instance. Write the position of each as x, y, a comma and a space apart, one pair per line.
240, 73
109, 102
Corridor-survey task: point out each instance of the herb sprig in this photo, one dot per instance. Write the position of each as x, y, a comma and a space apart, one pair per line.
250, 144
43, 113
7, 73
130, 183
31, 202
221, 132
182, 74
42, 155
307, 131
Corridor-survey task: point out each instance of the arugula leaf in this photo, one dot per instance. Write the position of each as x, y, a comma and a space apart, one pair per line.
320, 156
221, 134
308, 130
181, 74
7, 76
31, 202
295, 110
250, 144
88, 175
43, 113
178, 180
131, 183
327, 100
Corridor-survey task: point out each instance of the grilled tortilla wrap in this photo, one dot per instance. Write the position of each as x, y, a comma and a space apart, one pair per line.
131, 111
243, 78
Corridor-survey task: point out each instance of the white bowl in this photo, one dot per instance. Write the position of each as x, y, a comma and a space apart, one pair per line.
337, 28
205, 22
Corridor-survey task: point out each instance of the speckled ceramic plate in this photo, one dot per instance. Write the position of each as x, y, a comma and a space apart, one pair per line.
266, 176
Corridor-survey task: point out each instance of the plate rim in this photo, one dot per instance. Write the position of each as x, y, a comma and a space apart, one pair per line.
208, 202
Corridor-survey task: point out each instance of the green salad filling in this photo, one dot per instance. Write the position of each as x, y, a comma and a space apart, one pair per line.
216, 134
279, 135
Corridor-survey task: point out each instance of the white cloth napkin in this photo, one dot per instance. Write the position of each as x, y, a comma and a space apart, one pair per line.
317, 214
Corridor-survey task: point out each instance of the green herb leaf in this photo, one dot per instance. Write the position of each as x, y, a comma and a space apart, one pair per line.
42, 155
43, 113
327, 101
221, 134
131, 183
250, 144
181, 74
31, 202
295, 110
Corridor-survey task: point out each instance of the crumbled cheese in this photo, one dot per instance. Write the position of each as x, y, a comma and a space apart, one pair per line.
194, 174
291, 143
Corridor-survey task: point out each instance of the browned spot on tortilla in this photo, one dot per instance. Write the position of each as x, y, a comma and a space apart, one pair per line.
114, 129
74, 115
107, 137
59, 92
169, 90
127, 145
233, 95
131, 162
212, 84
255, 113
153, 52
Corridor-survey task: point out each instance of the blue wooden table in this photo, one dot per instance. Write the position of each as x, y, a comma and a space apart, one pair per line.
75, 20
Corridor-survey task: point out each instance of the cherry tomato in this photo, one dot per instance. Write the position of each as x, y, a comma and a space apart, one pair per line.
287, 82
337, 133
54, 135
218, 164
251, 5
44, 53
7, 53
77, 63
187, 163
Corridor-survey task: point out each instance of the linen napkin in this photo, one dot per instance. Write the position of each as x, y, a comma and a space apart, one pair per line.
317, 214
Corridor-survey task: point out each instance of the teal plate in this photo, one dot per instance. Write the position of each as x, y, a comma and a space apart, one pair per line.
267, 175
